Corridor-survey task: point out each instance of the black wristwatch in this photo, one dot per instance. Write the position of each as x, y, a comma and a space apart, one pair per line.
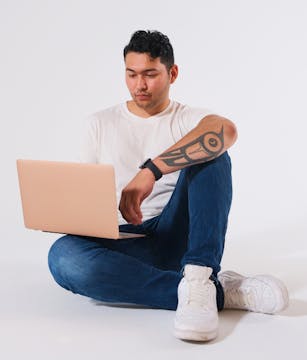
150, 165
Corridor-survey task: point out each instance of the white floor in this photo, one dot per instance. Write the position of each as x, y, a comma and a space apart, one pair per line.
40, 320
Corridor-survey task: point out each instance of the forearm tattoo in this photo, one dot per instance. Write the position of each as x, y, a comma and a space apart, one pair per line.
209, 145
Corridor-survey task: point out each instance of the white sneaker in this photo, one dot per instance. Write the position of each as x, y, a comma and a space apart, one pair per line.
260, 293
196, 315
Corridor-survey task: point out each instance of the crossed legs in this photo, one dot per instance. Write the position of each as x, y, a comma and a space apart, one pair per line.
190, 230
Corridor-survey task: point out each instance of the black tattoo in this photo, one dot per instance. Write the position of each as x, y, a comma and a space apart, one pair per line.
210, 144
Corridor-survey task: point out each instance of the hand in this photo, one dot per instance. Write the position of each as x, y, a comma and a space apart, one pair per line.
133, 195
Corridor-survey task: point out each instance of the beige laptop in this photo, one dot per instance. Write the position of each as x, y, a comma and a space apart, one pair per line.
70, 198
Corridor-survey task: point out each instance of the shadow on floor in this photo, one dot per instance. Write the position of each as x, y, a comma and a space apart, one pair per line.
296, 308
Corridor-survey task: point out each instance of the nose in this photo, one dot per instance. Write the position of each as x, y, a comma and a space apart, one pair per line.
141, 83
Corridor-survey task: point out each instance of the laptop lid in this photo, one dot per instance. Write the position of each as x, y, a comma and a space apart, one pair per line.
69, 198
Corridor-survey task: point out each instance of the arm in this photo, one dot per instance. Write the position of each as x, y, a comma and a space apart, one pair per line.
209, 139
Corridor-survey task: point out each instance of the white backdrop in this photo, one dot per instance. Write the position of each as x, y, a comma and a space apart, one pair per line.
62, 60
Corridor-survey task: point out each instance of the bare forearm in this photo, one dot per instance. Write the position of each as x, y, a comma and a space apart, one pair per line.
208, 140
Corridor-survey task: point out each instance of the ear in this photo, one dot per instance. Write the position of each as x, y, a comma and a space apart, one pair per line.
173, 73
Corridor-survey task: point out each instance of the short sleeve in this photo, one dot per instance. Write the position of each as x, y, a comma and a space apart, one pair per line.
191, 117
89, 140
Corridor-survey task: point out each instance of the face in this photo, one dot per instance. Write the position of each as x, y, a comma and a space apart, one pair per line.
148, 81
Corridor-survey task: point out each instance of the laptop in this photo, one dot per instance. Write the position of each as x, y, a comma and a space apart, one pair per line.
70, 198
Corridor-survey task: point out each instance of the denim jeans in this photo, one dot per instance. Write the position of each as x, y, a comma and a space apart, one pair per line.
146, 271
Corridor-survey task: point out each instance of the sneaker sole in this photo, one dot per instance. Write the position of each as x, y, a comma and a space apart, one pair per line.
195, 335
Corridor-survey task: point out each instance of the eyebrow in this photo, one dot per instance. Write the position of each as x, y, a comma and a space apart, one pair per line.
144, 71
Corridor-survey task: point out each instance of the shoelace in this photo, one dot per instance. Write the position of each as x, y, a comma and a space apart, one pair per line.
199, 292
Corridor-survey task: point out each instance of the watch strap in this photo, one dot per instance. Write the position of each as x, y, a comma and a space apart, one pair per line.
151, 166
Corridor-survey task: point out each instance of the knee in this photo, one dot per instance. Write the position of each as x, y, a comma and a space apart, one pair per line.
212, 181
62, 261
75, 262
219, 171
216, 172
221, 163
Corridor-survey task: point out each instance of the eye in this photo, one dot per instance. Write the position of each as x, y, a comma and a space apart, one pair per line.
132, 75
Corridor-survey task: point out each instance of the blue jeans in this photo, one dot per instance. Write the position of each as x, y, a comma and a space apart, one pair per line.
146, 271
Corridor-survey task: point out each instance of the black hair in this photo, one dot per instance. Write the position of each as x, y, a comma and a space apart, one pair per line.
154, 43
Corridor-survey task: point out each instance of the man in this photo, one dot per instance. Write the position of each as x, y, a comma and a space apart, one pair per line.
179, 197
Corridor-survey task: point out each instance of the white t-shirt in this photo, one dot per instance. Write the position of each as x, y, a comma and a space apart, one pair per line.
118, 137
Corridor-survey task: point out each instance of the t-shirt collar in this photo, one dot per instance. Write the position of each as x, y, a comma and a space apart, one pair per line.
165, 111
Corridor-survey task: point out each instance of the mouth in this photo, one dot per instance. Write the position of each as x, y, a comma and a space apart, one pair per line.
142, 96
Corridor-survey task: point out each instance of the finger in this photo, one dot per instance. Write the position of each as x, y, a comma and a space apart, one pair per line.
127, 209
133, 207
123, 208
134, 216
137, 209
